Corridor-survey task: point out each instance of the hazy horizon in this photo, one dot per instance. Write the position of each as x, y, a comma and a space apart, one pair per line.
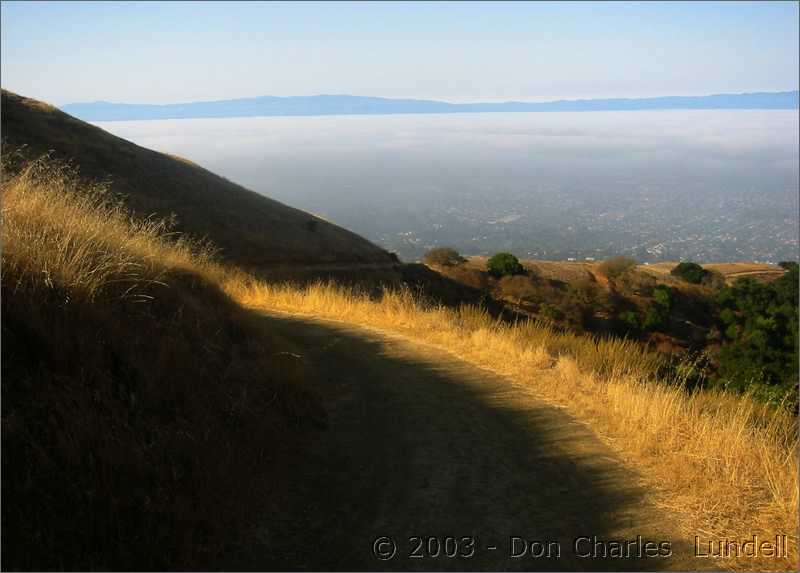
489, 99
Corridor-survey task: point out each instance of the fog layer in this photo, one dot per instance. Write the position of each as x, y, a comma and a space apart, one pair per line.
707, 185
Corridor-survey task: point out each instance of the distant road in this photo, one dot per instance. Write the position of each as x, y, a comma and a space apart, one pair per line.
420, 444
363, 105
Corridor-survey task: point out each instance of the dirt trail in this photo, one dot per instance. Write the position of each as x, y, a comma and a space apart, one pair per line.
420, 444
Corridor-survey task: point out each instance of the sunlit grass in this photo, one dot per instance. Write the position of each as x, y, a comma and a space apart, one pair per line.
724, 464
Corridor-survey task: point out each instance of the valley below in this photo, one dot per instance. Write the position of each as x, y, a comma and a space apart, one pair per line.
704, 185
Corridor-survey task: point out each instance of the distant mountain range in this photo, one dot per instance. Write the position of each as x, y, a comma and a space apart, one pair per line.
361, 105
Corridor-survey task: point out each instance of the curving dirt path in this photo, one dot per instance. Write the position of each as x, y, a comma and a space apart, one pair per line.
420, 444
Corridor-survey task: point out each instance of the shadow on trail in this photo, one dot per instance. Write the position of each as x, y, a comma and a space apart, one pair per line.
420, 445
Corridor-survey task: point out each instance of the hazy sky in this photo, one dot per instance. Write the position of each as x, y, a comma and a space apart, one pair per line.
172, 52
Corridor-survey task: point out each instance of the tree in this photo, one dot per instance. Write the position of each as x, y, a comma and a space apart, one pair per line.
504, 264
760, 326
690, 272
443, 257
657, 313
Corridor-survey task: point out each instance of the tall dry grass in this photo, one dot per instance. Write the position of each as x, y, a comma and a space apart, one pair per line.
137, 397
60, 230
144, 411
726, 465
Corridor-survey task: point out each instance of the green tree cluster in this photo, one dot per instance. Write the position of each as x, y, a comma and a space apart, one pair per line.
760, 334
504, 264
689, 272
657, 313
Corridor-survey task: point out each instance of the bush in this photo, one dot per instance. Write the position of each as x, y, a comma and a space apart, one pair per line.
662, 297
690, 272
629, 320
504, 264
550, 313
443, 257
615, 267
653, 319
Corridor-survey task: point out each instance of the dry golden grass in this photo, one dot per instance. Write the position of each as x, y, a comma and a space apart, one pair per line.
124, 321
61, 231
725, 465
144, 411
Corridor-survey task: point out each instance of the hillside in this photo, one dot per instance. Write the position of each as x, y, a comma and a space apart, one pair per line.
739, 320
251, 230
144, 412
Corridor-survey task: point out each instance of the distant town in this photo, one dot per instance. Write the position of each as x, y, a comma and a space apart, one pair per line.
647, 225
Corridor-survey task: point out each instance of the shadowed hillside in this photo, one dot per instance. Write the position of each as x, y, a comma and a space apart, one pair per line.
144, 412
250, 229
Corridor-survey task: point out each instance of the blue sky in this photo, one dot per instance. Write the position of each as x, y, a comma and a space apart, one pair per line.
173, 52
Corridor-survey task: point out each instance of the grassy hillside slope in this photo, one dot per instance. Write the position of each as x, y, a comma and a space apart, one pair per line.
145, 415
250, 229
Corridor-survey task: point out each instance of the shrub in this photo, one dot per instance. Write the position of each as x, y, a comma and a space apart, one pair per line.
653, 318
550, 313
443, 257
689, 272
615, 267
629, 319
503, 264
662, 297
